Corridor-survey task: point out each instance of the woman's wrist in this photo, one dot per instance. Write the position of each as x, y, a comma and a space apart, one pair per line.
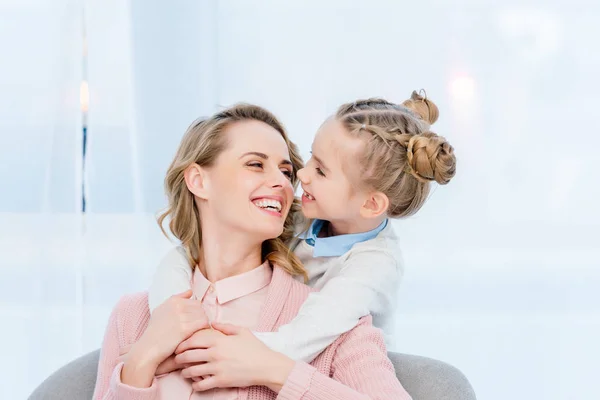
139, 368
276, 372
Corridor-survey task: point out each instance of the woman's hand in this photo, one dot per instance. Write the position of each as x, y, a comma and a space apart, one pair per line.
171, 323
168, 365
230, 356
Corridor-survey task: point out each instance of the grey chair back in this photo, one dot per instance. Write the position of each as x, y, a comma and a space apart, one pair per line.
423, 378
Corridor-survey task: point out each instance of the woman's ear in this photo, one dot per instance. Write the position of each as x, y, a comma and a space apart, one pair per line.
375, 205
195, 180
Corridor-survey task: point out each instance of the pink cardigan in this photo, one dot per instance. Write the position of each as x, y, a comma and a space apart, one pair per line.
355, 366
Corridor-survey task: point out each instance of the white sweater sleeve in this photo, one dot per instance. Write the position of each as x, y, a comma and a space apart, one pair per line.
366, 284
173, 275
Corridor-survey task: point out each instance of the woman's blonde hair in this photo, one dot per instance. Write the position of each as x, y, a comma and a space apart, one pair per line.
402, 156
202, 143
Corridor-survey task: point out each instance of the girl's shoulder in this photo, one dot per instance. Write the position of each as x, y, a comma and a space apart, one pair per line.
386, 242
176, 253
383, 250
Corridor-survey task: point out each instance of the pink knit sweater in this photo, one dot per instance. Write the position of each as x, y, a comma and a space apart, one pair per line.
355, 366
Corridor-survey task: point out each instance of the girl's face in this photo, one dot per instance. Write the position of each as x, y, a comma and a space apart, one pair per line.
330, 176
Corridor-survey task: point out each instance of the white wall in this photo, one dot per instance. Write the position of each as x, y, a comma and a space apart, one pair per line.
501, 264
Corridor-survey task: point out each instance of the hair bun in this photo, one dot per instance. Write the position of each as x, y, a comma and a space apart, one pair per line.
422, 106
431, 158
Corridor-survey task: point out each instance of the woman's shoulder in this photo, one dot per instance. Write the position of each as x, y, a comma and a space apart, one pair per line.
363, 338
294, 291
133, 303
301, 288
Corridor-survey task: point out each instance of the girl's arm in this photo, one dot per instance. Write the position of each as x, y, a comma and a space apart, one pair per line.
366, 285
173, 275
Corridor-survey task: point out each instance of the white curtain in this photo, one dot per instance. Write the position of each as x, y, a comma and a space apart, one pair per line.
151, 72
40, 135
40, 180
501, 264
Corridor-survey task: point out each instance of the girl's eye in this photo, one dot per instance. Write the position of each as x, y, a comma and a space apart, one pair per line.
320, 171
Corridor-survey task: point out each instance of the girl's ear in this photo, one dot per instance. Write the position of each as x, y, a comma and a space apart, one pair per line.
375, 205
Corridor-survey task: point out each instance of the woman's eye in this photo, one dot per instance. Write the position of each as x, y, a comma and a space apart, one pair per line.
288, 173
255, 164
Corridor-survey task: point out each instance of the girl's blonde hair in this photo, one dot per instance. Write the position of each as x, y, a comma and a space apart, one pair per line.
202, 143
402, 156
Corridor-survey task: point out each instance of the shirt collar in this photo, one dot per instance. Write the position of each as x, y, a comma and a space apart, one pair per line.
335, 246
234, 287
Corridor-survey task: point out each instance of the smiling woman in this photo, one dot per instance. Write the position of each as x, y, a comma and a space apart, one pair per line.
232, 165
230, 191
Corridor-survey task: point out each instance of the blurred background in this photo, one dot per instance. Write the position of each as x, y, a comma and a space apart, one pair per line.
502, 265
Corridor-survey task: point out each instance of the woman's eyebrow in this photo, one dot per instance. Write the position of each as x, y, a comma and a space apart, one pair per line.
264, 157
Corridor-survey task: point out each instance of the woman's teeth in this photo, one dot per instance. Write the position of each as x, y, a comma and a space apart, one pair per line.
268, 204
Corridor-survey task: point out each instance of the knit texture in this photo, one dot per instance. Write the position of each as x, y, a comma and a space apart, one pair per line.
355, 366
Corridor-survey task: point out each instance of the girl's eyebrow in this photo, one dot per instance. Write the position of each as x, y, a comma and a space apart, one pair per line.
321, 162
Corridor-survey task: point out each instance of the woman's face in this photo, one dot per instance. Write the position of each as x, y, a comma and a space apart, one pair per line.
249, 188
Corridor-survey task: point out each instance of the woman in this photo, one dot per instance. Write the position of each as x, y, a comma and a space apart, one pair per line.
231, 203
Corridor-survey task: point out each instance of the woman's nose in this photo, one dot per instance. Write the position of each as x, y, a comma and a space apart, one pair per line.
279, 179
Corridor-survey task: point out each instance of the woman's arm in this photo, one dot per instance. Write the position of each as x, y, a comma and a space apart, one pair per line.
109, 385
366, 284
133, 376
361, 371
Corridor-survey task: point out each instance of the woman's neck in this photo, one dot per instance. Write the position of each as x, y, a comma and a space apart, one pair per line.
226, 254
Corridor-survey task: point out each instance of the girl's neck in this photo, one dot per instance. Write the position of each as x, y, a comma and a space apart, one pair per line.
335, 228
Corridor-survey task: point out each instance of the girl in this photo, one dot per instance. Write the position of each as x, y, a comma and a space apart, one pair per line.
372, 161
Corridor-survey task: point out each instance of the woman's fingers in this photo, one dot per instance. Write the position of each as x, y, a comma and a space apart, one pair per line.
193, 356
198, 370
210, 382
169, 365
227, 329
202, 339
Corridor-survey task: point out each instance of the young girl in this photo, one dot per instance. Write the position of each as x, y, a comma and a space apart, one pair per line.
372, 161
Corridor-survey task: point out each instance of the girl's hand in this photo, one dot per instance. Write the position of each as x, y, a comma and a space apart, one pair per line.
230, 356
